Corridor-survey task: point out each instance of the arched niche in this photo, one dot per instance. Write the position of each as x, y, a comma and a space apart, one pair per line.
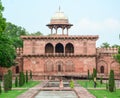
69, 48
59, 48
49, 48
49, 66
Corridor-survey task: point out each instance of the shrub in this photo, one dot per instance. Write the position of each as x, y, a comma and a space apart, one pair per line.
10, 79
6, 82
106, 86
101, 80
94, 73
31, 75
111, 81
26, 76
16, 82
21, 79
72, 84
88, 75
0, 89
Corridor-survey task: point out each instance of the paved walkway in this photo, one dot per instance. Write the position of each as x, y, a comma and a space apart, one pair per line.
83, 93
80, 91
30, 93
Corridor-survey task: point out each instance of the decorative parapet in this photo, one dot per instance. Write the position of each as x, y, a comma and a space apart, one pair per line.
90, 37
107, 50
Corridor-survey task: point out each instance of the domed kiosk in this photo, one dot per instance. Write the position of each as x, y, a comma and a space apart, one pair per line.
59, 20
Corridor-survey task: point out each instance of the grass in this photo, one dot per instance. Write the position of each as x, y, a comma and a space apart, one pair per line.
28, 85
15, 93
90, 84
12, 94
99, 93
105, 93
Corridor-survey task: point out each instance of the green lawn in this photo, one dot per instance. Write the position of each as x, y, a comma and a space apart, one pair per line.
105, 93
90, 84
28, 85
99, 93
15, 93
12, 94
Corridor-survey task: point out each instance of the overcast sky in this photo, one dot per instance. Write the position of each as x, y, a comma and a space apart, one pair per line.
89, 17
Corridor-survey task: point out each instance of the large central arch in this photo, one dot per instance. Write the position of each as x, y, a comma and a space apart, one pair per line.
59, 48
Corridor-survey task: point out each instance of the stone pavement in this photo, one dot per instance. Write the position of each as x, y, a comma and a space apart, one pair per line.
83, 93
80, 91
30, 93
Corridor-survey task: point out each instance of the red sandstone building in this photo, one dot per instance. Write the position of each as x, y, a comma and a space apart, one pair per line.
60, 54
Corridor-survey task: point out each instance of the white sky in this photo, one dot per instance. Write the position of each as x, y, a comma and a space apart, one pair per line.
89, 17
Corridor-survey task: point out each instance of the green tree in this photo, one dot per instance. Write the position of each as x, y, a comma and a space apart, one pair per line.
0, 89
88, 75
2, 19
21, 79
105, 45
117, 58
101, 80
38, 33
6, 82
7, 52
14, 32
115, 46
26, 76
10, 79
16, 81
111, 81
30, 74
94, 73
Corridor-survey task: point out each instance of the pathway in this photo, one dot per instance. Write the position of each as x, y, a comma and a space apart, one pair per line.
30, 93
80, 91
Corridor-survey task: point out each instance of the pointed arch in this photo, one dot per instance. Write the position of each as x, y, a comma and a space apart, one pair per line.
69, 66
48, 66
17, 69
102, 69
59, 66
59, 48
49, 48
69, 48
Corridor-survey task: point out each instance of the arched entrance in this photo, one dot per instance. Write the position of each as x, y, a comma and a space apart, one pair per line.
59, 66
102, 69
17, 69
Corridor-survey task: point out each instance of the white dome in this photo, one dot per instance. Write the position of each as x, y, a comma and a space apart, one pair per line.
59, 15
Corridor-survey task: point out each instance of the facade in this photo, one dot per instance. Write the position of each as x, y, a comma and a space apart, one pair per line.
60, 54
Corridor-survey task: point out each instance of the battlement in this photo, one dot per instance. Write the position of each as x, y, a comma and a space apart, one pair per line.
107, 50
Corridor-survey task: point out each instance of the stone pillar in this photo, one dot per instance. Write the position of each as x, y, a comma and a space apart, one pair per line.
51, 30
67, 31
63, 31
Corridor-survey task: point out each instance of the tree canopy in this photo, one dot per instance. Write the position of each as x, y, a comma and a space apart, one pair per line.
7, 51
14, 32
117, 56
105, 45
2, 19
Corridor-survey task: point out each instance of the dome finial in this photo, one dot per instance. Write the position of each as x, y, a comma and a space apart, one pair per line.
59, 5
59, 8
